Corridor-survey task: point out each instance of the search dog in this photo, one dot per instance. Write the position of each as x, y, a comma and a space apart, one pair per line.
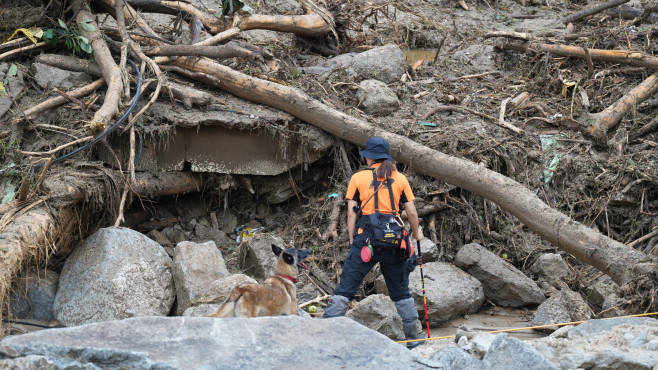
277, 295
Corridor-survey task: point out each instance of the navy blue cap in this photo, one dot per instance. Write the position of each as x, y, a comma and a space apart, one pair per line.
376, 148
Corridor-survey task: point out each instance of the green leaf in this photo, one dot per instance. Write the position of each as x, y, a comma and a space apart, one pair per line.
49, 34
62, 24
13, 69
85, 47
11, 193
83, 39
86, 24
69, 43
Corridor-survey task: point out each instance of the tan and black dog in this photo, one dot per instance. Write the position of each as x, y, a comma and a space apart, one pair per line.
275, 296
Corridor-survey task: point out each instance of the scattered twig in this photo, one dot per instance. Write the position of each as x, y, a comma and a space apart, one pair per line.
643, 238
315, 300
20, 51
53, 151
590, 65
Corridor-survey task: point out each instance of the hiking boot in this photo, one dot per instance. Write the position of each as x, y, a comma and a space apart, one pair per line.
407, 310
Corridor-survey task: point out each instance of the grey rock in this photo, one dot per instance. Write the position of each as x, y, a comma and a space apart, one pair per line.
385, 63
429, 249
205, 343
256, 257
46, 75
450, 292
611, 306
33, 296
378, 313
115, 273
196, 266
601, 289
376, 98
510, 353
597, 325
565, 306
481, 344
502, 282
562, 332
201, 310
550, 266
219, 290
454, 358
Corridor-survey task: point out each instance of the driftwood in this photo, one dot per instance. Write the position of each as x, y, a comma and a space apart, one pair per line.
598, 55
111, 72
332, 232
51, 103
587, 245
612, 115
593, 10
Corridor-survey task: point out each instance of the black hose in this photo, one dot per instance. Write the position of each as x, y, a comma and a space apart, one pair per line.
107, 131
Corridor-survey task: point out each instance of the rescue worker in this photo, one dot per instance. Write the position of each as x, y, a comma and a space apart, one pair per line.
394, 265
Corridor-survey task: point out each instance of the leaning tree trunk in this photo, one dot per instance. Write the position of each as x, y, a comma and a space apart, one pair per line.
622, 264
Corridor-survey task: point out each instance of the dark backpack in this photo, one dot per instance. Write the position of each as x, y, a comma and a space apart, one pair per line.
387, 229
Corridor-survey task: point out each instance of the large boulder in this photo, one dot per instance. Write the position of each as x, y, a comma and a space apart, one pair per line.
385, 63
114, 274
376, 98
178, 342
378, 313
196, 266
256, 257
503, 283
565, 306
450, 292
33, 295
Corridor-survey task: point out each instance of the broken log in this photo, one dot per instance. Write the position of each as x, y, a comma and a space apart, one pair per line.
593, 10
608, 118
111, 72
598, 55
609, 256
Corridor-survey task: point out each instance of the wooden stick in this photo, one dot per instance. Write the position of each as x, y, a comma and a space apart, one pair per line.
33, 112
18, 52
461, 109
593, 10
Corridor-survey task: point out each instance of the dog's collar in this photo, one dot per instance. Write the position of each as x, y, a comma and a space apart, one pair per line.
289, 278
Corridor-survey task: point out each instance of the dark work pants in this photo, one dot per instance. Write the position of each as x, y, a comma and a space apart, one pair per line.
392, 265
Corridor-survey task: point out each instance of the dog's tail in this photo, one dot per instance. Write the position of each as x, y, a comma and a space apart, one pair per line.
227, 309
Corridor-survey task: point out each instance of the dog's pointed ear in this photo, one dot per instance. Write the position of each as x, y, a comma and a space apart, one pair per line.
276, 250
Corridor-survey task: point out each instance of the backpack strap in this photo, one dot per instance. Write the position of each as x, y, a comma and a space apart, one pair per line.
375, 185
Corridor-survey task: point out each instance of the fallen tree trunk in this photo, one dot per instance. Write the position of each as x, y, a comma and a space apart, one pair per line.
624, 265
35, 233
598, 55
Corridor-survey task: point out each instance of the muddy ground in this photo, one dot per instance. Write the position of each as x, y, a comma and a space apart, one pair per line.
609, 184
